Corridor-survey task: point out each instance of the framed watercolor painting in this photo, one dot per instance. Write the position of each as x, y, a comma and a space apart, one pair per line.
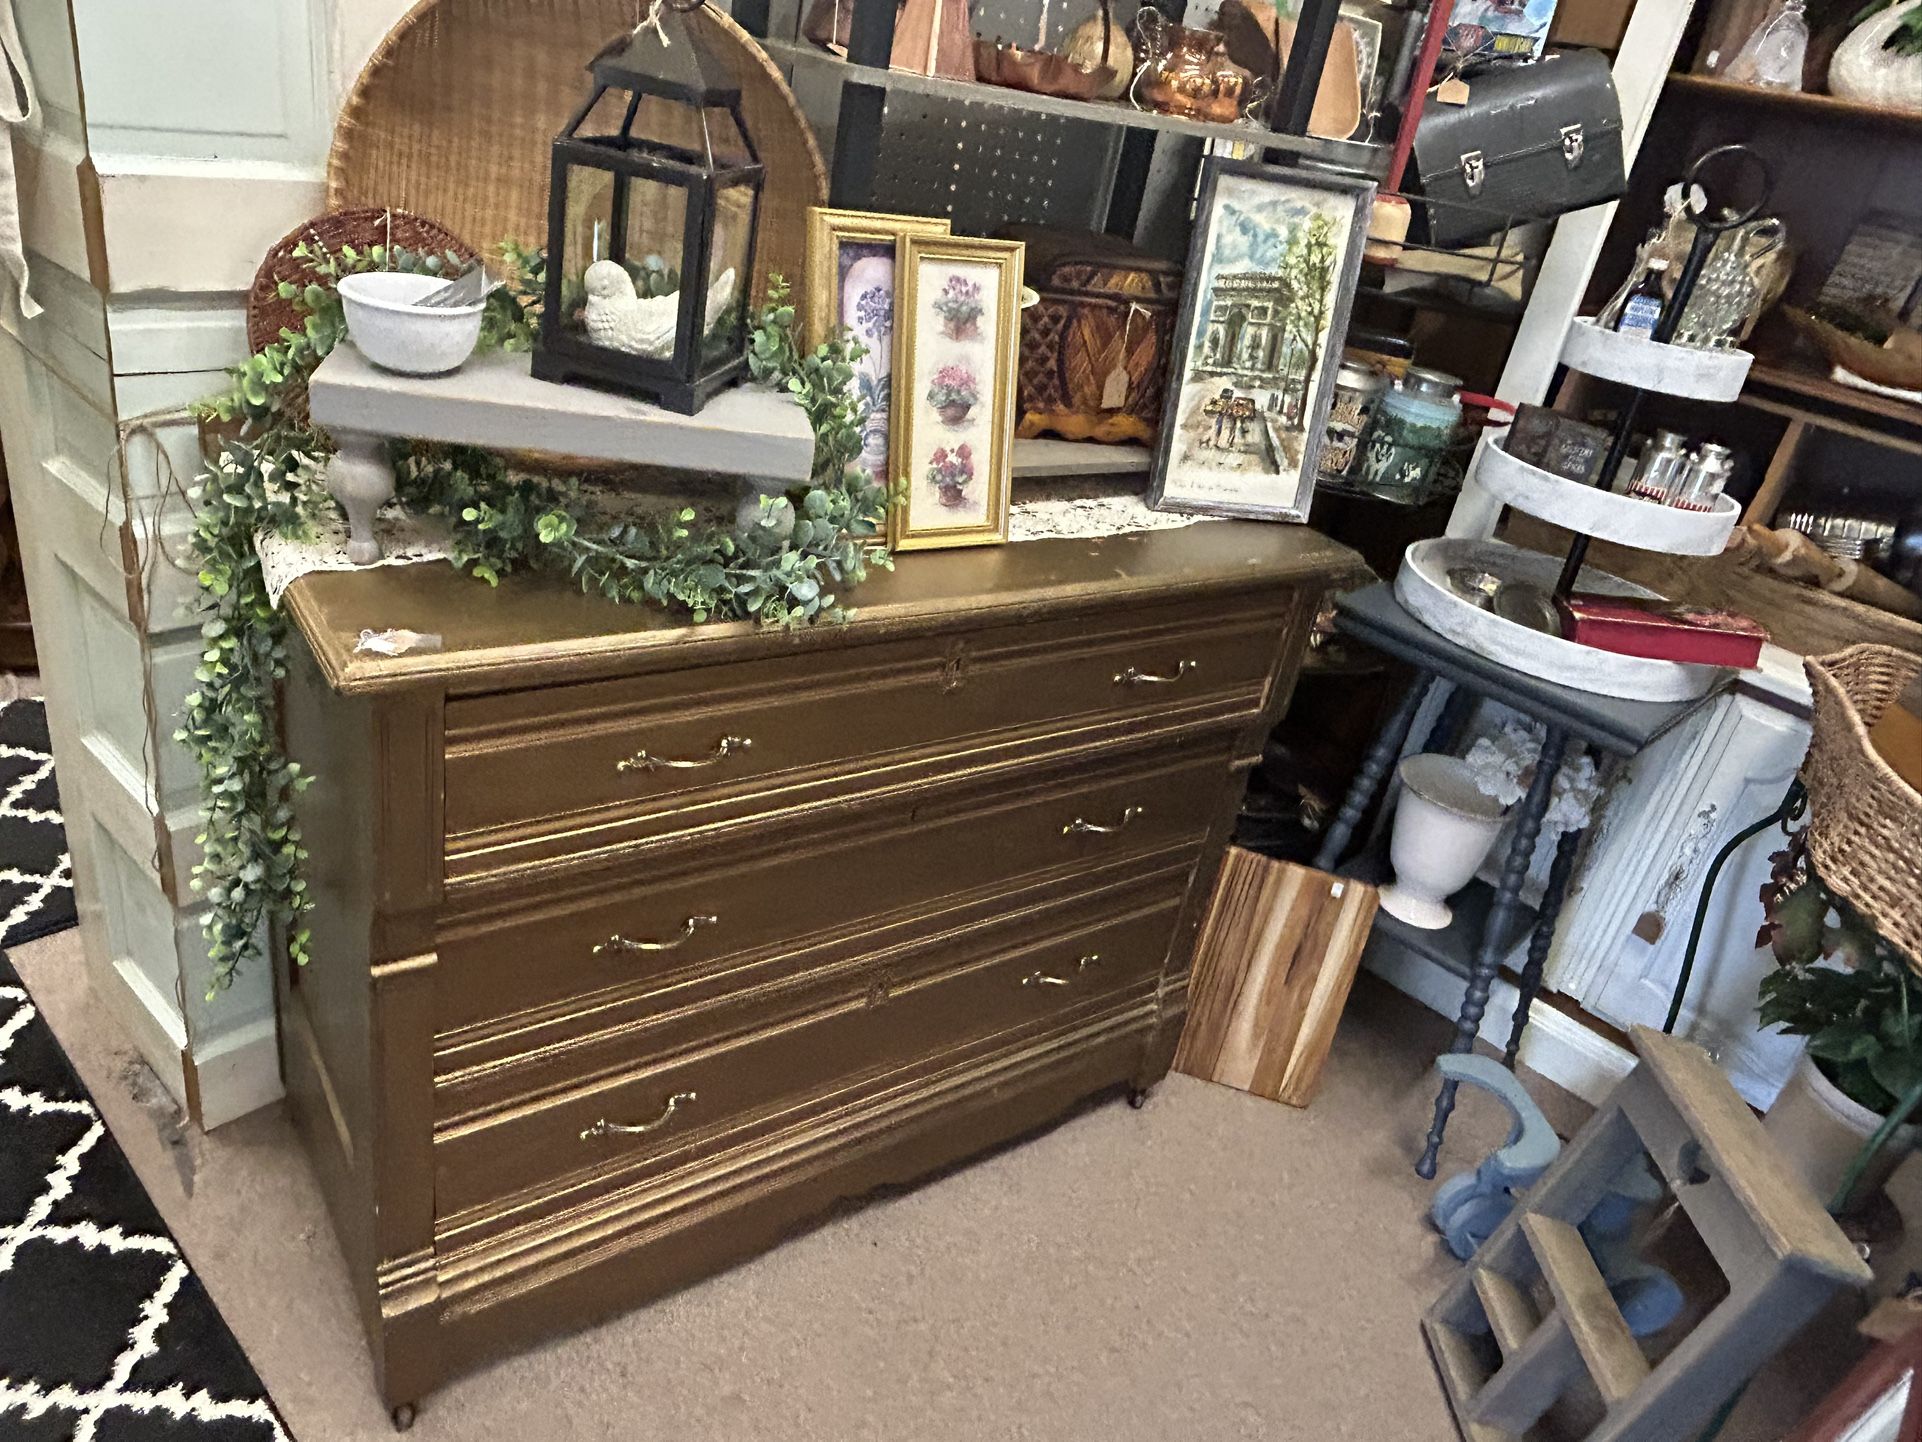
1271, 277
851, 259
954, 371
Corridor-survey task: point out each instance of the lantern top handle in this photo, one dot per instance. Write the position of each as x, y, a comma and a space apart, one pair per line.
667, 55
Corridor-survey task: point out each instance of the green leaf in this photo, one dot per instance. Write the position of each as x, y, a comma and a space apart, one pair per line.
1897, 1072
1844, 1042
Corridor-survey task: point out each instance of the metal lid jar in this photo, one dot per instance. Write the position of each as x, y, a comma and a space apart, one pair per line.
1413, 426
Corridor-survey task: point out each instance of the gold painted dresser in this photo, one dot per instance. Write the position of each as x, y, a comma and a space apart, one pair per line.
637, 945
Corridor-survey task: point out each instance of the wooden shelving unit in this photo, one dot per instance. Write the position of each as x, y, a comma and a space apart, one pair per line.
1816, 107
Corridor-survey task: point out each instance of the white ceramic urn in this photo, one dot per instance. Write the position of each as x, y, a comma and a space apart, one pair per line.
1444, 825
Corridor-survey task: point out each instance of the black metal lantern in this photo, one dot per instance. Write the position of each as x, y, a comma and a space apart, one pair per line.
650, 223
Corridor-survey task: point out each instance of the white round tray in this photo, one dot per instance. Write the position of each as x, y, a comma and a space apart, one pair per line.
1671, 370
1646, 525
1422, 586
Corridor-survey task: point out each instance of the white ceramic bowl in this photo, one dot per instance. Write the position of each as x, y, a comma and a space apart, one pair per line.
399, 335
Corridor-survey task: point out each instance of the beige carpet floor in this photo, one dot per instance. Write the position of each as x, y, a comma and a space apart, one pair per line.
1211, 1267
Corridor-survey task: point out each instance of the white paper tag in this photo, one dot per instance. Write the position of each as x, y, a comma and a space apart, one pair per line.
1114, 390
396, 642
1452, 91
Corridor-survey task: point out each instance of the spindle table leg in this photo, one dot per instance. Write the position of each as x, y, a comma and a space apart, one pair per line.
1488, 951
1542, 938
1374, 767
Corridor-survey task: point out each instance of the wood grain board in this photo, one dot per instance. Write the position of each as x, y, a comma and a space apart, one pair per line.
1277, 956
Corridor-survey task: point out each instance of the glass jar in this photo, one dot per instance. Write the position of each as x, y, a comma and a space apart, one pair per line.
1413, 426
1359, 388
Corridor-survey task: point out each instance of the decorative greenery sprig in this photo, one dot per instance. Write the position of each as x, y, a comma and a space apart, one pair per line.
788, 570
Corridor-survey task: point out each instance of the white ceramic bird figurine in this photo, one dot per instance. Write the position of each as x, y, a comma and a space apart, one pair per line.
621, 320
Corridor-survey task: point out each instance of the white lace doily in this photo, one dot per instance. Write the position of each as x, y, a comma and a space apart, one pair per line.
405, 540
1045, 510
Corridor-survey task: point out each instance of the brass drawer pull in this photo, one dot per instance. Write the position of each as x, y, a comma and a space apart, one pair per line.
605, 1128
647, 761
617, 942
1078, 826
1042, 978
1135, 676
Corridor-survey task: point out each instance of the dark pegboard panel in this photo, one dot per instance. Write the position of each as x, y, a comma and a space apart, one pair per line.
984, 166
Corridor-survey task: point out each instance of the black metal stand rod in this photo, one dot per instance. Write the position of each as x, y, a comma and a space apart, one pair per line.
1793, 804
1501, 915
1307, 58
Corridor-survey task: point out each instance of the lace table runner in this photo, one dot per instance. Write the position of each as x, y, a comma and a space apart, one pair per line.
1043, 510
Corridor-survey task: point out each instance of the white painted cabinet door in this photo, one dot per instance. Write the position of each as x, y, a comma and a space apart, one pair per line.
1622, 951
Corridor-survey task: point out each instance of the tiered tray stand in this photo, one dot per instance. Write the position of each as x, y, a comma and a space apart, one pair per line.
1647, 367
1582, 696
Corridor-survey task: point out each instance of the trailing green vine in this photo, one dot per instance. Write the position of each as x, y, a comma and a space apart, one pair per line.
790, 569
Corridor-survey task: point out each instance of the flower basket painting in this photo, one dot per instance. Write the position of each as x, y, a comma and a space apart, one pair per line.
951, 473
954, 358
953, 393
852, 270
1273, 265
959, 306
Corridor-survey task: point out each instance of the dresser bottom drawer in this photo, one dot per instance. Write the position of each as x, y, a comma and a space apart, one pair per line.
740, 1072
575, 1266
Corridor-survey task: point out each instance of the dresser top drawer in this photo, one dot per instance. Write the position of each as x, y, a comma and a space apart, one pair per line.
636, 758
537, 630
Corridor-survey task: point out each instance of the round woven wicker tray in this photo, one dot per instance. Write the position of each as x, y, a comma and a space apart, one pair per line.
455, 113
362, 228
1865, 821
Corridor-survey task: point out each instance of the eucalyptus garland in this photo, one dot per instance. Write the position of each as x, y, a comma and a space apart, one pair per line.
787, 570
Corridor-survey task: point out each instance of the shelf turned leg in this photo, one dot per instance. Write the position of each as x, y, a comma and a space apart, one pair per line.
1488, 952
361, 478
1543, 938
1374, 767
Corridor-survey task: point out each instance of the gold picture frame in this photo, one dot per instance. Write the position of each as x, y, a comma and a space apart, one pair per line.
957, 338
859, 251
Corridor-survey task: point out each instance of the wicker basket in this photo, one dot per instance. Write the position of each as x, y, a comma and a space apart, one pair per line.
455, 113
1865, 821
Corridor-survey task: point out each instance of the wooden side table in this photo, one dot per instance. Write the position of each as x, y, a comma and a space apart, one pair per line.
1487, 923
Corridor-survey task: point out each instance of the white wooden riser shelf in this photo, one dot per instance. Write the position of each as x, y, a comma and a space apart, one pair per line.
1593, 511
1670, 370
1422, 586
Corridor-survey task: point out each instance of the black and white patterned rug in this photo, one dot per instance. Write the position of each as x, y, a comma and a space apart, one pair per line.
106, 1334
36, 873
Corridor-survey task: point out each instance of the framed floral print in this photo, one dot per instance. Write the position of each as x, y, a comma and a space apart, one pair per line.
851, 262
1271, 276
955, 347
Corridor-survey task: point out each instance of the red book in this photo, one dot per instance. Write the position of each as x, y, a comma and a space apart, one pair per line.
1662, 630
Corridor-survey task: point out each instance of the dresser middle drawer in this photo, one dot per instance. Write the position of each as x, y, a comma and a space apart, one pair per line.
696, 915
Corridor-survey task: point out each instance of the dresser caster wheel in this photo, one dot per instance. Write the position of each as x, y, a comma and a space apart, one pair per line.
404, 1415
1138, 1096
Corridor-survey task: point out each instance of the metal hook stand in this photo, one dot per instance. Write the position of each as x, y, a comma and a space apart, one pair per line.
1707, 231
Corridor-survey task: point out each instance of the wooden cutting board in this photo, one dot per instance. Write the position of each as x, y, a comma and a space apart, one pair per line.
1278, 953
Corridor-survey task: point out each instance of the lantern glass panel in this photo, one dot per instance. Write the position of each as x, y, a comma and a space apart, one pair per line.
640, 224
730, 249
